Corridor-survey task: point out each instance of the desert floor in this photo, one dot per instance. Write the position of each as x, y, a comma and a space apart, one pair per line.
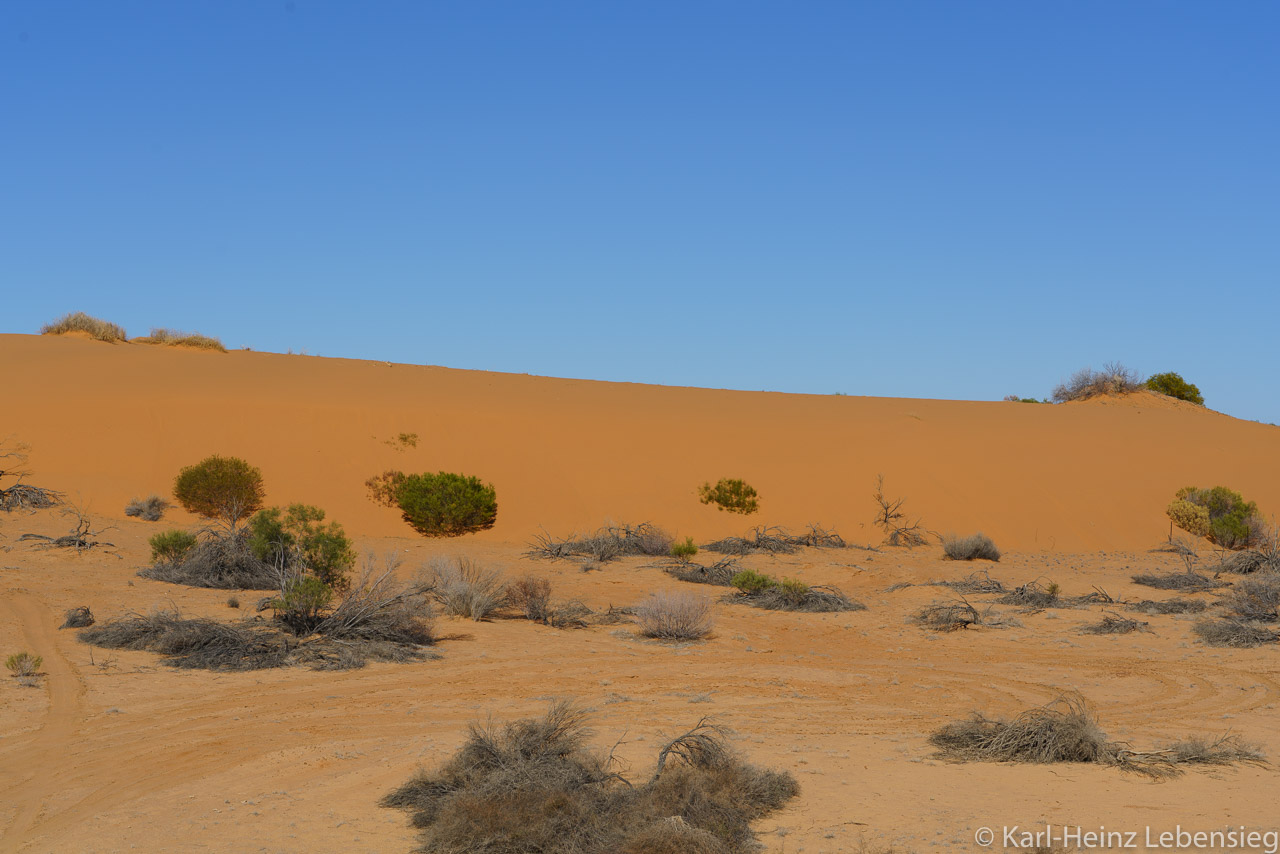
116, 752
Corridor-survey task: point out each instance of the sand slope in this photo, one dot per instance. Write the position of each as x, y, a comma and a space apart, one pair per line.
110, 422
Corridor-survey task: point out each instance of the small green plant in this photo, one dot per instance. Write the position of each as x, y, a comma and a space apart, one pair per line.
1174, 385
225, 488
302, 603
1219, 514
750, 581
298, 536
730, 494
383, 487
1013, 398
24, 664
443, 504
403, 440
684, 550
171, 546
92, 326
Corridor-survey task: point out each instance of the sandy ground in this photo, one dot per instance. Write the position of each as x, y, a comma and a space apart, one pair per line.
116, 752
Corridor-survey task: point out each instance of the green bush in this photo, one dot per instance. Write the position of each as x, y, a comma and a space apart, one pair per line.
171, 546
1220, 514
731, 494
297, 536
225, 488
303, 603
1175, 386
445, 504
24, 664
750, 581
685, 550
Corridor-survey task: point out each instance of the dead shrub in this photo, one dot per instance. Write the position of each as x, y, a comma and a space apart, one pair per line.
976, 547
1189, 581
1255, 598
531, 596
377, 611
149, 509
898, 530
78, 618
222, 561
197, 643
464, 589
1033, 594
792, 595
1237, 634
1067, 730
949, 617
534, 785
1113, 624
1167, 606
1113, 379
975, 582
15, 494
606, 544
719, 574
675, 615
762, 539
78, 321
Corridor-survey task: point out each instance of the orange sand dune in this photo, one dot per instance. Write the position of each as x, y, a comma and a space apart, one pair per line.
110, 422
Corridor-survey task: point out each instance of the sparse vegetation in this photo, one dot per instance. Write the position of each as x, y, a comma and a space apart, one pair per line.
531, 596
534, 785
437, 505
1173, 385
223, 488
975, 582
684, 550
1033, 594
1234, 633
171, 546
720, 573
77, 618
789, 594
1255, 598
891, 519
220, 560
1168, 606
80, 322
732, 495
949, 617
149, 509
82, 537
1067, 730
24, 665
976, 547
1013, 398
1189, 581
1113, 624
606, 544
15, 493
174, 338
1218, 514
297, 537
675, 615
1113, 379
465, 589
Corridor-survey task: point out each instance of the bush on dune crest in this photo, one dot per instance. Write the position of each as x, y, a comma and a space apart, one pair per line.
78, 321
174, 338
534, 785
1113, 379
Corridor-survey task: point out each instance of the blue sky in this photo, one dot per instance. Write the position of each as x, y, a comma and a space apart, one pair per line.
919, 199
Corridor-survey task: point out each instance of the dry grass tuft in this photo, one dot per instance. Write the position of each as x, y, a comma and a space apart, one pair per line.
464, 589
719, 574
675, 615
1188, 581
174, 338
1255, 598
976, 547
1113, 379
531, 596
975, 582
949, 617
1033, 594
81, 322
149, 509
78, 618
606, 544
761, 539
1167, 606
534, 785
1236, 634
1113, 624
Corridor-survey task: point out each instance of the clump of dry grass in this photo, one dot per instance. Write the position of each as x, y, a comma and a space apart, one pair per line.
1113, 379
194, 643
949, 617
1167, 606
221, 561
606, 544
1113, 624
719, 574
1255, 598
1234, 633
465, 589
769, 540
789, 594
174, 338
675, 615
534, 785
25, 667
1067, 730
80, 322
975, 582
149, 509
78, 618
1033, 594
1189, 581
531, 596
976, 547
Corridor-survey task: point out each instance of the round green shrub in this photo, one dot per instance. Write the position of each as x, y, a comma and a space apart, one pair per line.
684, 550
446, 504
225, 488
730, 494
171, 546
297, 537
750, 581
1175, 386
302, 603
1219, 513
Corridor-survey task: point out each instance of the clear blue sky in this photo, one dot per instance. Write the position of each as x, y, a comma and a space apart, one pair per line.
920, 199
